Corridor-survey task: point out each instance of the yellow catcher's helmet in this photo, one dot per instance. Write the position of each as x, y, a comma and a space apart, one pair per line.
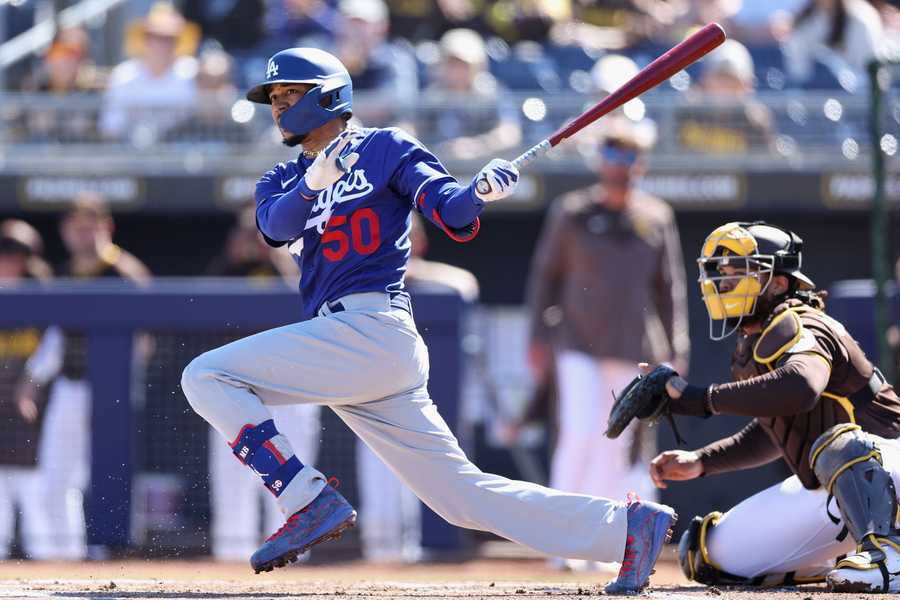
756, 251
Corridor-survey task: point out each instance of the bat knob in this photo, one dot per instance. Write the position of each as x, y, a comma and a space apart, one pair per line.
482, 186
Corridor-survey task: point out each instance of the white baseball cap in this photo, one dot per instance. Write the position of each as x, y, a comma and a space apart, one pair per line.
465, 44
731, 58
611, 71
372, 11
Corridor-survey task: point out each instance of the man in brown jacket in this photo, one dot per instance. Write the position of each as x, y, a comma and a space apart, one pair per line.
817, 403
595, 325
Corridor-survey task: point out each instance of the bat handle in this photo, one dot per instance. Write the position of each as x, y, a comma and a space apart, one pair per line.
484, 187
531, 154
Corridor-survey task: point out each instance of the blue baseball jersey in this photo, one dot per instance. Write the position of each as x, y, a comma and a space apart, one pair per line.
355, 233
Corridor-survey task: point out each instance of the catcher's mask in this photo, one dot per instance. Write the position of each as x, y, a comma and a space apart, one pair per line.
756, 252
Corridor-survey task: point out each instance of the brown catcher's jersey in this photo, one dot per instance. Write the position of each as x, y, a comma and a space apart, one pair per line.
855, 392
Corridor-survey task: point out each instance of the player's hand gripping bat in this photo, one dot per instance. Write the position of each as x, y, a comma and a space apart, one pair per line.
686, 53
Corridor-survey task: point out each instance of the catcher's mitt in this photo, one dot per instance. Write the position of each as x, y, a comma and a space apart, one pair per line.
645, 398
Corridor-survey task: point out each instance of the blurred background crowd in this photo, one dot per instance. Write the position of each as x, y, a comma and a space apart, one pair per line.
127, 151
175, 72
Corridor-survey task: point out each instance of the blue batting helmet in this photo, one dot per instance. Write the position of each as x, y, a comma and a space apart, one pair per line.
331, 96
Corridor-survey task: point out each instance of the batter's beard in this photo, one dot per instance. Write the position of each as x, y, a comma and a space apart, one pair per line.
293, 141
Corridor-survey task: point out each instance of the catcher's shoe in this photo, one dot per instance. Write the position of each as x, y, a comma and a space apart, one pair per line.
323, 519
649, 528
874, 568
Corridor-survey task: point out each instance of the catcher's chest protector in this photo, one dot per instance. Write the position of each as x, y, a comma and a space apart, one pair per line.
804, 330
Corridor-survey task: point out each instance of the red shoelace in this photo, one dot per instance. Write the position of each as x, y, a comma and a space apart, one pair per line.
289, 524
628, 560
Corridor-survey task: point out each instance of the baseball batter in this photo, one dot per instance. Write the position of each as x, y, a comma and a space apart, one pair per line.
817, 403
348, 198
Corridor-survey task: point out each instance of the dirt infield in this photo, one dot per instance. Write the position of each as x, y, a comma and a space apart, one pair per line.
137, 580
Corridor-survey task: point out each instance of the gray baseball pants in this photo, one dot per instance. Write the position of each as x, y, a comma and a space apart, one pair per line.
370, 366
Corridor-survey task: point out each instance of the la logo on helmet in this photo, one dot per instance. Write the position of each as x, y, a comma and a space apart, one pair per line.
271, 69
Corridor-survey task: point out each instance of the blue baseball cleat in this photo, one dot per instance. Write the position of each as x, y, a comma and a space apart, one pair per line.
323, 519
649, 528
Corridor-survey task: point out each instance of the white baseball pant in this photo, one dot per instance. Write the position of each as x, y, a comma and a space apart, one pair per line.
585, 461
64, 455
20, 492
369, 364
785, 528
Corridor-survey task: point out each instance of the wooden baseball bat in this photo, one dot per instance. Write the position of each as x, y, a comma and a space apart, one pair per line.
687, 52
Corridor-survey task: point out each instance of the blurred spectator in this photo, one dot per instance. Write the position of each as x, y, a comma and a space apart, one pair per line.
20, 493
211, 120
516, 20
723, 118
618, 23
479, 121
375, 64
64, 449
751, 22
87, 232
235, 492
236, 24
844, 35
418, 20
147, 94
701, 12
606, 291
22, 249
608, 74
889, 11
290, 21
247, 255
67, 66
66, 69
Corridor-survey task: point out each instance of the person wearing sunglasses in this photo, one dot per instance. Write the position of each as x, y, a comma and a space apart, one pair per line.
593, 327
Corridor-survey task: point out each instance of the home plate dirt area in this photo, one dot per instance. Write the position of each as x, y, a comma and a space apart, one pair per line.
483, 578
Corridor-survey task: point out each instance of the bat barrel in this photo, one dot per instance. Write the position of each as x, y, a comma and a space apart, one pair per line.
687, 52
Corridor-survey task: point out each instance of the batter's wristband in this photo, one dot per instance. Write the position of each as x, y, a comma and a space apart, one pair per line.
305, 191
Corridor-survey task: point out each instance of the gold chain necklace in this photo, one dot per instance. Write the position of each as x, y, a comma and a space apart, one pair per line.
313, 154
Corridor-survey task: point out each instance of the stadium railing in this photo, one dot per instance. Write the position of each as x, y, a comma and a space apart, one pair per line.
807, 129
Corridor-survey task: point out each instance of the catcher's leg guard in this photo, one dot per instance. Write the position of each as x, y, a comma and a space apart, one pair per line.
696, 564
848, 464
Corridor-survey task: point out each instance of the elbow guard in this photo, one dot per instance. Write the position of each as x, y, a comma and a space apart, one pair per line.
458, 234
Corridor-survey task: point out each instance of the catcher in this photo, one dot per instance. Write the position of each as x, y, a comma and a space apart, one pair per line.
816, 402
